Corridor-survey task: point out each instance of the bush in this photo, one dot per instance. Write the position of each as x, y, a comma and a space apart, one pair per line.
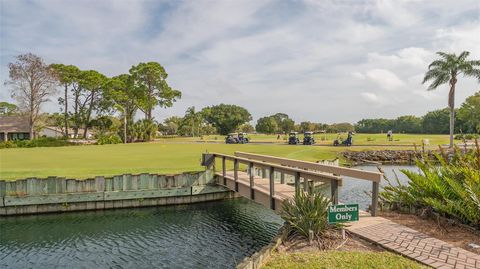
7, 144
451, 188
38, 142
305, 213
109, 139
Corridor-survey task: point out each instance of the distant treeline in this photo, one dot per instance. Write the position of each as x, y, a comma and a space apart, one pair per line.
467, 120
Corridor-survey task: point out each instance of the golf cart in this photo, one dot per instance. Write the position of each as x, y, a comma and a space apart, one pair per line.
234, 138
293, 138
242, 138
308, 138
347, 142
231, 138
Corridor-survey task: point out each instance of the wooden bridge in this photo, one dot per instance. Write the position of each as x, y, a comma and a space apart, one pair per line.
270, 180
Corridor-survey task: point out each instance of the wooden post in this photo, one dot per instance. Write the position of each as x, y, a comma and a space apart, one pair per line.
272, 188
224, 171
375, 190
334, 191
282, 177
297, 182
252, 182
235, 173
264, 172
305, 184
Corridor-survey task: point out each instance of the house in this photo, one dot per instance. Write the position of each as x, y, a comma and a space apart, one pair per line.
52, 131
14, 128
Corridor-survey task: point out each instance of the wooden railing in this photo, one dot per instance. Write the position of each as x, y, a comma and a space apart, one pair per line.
374, 177
297, 173
309, 171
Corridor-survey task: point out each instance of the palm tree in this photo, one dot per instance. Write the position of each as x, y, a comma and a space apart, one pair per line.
447, 69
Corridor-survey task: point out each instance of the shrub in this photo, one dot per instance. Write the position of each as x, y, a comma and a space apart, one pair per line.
451, 187
305, 213
38, 142
7, 144
109, 139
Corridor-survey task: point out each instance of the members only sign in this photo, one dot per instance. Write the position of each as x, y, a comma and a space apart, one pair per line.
342, 213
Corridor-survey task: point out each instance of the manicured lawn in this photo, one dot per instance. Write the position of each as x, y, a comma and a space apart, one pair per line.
339, 260
166, 156
107, 160
358, 139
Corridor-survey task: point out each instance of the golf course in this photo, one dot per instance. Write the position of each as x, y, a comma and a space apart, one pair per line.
177, 155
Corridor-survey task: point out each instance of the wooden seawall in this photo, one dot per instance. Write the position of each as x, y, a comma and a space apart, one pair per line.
55, 194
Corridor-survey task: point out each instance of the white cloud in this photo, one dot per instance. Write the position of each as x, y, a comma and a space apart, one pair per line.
267, 56
385, 79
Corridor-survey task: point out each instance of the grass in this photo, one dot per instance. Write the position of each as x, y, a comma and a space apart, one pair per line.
166, 156
339, 260
358, 139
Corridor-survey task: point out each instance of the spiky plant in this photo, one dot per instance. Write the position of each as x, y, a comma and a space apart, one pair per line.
305, 213
451, 187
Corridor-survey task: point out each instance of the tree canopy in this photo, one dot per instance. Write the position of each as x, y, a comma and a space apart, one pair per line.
226, 118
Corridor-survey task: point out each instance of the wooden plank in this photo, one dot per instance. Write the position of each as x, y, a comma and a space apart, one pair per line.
2, 192
337, 170
51, 185
54, 199
127, 182
117, 183
32, 186
272, 187
375, 190
315, 175
141, 194
235, 173
208, 189
71, 186
99, 184
109, 184
251, 180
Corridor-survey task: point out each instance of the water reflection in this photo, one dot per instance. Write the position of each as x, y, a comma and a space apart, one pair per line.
207, 235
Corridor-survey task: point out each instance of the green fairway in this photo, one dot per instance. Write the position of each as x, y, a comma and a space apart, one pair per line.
165, 156
107, 160
358, 139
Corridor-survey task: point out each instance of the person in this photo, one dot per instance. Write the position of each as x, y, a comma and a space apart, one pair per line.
389, 135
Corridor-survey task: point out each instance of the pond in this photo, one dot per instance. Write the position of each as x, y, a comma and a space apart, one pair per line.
353, 190
207, 235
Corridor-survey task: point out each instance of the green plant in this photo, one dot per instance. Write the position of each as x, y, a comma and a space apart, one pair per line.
7, 144
450, 188
306, 214
109, 139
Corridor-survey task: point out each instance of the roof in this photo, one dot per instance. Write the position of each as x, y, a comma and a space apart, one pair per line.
14, 124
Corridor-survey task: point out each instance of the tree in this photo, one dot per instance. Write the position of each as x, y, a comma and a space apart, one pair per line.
436, 122
407, 124
306, 126
92, 84
340, 127
7, 109
267, 125
226, 118
193, 120
469, 113
374, 125
120, 91
33, 82
66, 76
246, 128
447, 69
150, 79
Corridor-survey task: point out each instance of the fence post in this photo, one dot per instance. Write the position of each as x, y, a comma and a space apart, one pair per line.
282, 177
305, 184
235, 173
375, 190
334, 191
272, 188
224, 171
252, 183
297, 183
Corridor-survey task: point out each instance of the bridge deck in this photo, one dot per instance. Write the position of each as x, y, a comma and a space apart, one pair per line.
261, 189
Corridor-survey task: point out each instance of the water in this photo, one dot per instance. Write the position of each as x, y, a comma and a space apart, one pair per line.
208, 235
353, 190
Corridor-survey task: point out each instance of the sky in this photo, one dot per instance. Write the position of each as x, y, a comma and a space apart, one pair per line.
321, 61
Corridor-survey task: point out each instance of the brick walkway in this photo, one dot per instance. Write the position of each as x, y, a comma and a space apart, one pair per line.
413, 244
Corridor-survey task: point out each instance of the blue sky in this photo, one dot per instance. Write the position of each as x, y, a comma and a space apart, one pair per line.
323, 61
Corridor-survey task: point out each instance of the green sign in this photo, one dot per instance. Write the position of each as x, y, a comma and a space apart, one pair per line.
342, 213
